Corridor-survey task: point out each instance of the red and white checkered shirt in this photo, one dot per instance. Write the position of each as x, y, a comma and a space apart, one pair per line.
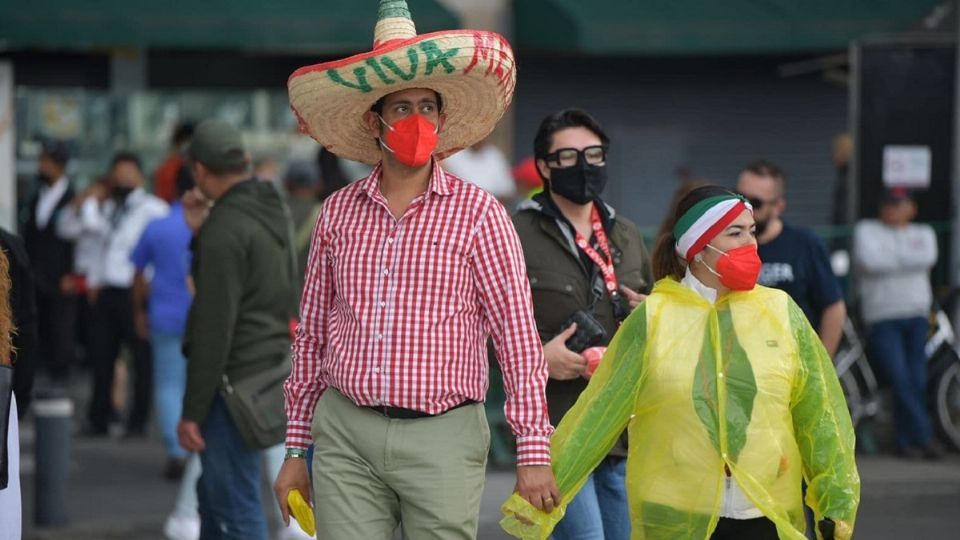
397, 312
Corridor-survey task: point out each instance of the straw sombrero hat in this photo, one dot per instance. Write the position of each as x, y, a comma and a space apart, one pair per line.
473, 71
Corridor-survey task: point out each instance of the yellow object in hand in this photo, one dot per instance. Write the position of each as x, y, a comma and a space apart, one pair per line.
301, 511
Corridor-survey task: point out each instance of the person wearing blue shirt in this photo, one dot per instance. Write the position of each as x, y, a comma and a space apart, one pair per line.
794, 258
161, 304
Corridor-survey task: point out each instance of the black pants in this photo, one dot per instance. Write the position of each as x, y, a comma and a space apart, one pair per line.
56, 326
745, 529
111, 326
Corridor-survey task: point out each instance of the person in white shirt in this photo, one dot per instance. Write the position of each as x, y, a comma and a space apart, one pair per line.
484, 165
893, 258
119, 220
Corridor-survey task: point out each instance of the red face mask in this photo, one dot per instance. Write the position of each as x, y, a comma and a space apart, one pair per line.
739, 268
412, 140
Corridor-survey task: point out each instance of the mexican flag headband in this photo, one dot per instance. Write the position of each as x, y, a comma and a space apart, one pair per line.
705, 220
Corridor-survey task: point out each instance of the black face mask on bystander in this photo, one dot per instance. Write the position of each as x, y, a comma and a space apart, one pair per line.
581, 183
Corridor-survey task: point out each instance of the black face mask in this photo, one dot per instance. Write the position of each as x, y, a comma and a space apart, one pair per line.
121, 192
580, 183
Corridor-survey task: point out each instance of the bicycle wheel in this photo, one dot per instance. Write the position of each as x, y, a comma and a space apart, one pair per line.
947, 402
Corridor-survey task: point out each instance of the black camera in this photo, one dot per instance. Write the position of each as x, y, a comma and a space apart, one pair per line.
589, 331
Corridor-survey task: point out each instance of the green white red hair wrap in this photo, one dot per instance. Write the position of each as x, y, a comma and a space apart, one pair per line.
704, 221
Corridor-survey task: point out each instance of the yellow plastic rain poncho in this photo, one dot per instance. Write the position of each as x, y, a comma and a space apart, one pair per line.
744, 385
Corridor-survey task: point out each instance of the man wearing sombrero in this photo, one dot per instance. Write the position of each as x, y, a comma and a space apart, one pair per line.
411, 269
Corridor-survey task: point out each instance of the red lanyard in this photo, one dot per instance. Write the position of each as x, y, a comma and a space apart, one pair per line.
605, 266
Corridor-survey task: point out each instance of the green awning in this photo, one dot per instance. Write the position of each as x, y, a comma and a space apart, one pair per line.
653, 27
263, 25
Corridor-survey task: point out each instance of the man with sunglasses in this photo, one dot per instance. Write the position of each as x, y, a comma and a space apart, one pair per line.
794, 258
586, 264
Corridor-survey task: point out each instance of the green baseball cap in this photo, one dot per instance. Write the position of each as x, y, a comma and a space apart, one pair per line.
218, 145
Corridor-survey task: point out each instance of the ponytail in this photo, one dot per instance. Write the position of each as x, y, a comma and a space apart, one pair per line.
666, 262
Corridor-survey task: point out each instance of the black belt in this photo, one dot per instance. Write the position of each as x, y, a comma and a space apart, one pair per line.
399, 413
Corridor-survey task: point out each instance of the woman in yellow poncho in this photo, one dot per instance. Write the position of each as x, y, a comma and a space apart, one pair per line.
728, 394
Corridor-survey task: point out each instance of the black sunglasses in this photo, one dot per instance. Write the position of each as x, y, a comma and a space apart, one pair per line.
568, 157
755, 202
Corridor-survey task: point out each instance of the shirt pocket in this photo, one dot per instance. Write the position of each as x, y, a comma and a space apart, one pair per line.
556, 296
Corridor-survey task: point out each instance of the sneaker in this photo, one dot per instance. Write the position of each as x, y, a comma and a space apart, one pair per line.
293, 532
178, 527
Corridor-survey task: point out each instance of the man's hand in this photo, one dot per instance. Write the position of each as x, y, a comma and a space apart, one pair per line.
191, 440
633, 297
293, 475
562, 363
535, 483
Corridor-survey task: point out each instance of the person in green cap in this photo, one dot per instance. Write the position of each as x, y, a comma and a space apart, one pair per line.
238, 328
411, 270
727, 392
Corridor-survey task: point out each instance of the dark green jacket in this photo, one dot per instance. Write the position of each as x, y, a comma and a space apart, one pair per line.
239, 323
562, 283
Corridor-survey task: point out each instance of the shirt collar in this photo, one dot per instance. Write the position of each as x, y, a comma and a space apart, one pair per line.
59, 187
441, 182
691, 282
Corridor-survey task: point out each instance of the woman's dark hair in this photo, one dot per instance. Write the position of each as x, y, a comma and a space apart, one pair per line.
567, 118
666, 262
331, 173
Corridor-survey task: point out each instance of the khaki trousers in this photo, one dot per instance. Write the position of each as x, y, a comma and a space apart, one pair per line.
371, 472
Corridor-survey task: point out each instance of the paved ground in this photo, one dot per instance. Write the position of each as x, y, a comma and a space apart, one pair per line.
116, 493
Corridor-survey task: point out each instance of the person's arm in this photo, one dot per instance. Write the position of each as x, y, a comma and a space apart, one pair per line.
220, 273
831, 326
141, 257
824, 432
87, 217
826, 296
921, 251
873, 251
304, 386
590, 429
500, 278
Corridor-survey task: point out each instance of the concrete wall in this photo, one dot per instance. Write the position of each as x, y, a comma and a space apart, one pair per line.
709, 115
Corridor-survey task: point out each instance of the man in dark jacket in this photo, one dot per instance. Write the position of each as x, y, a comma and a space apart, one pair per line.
51, 260
238, 326
581, 257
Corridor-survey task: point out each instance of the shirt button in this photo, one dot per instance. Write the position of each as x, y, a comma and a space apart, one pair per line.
383, 304
379, 337
724, 455
386, 271
720, 375
376, 370
389, 240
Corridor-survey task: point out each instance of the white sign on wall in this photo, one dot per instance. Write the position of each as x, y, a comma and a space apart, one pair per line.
906, 166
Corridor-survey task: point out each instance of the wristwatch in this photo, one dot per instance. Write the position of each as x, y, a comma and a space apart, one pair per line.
295, 453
